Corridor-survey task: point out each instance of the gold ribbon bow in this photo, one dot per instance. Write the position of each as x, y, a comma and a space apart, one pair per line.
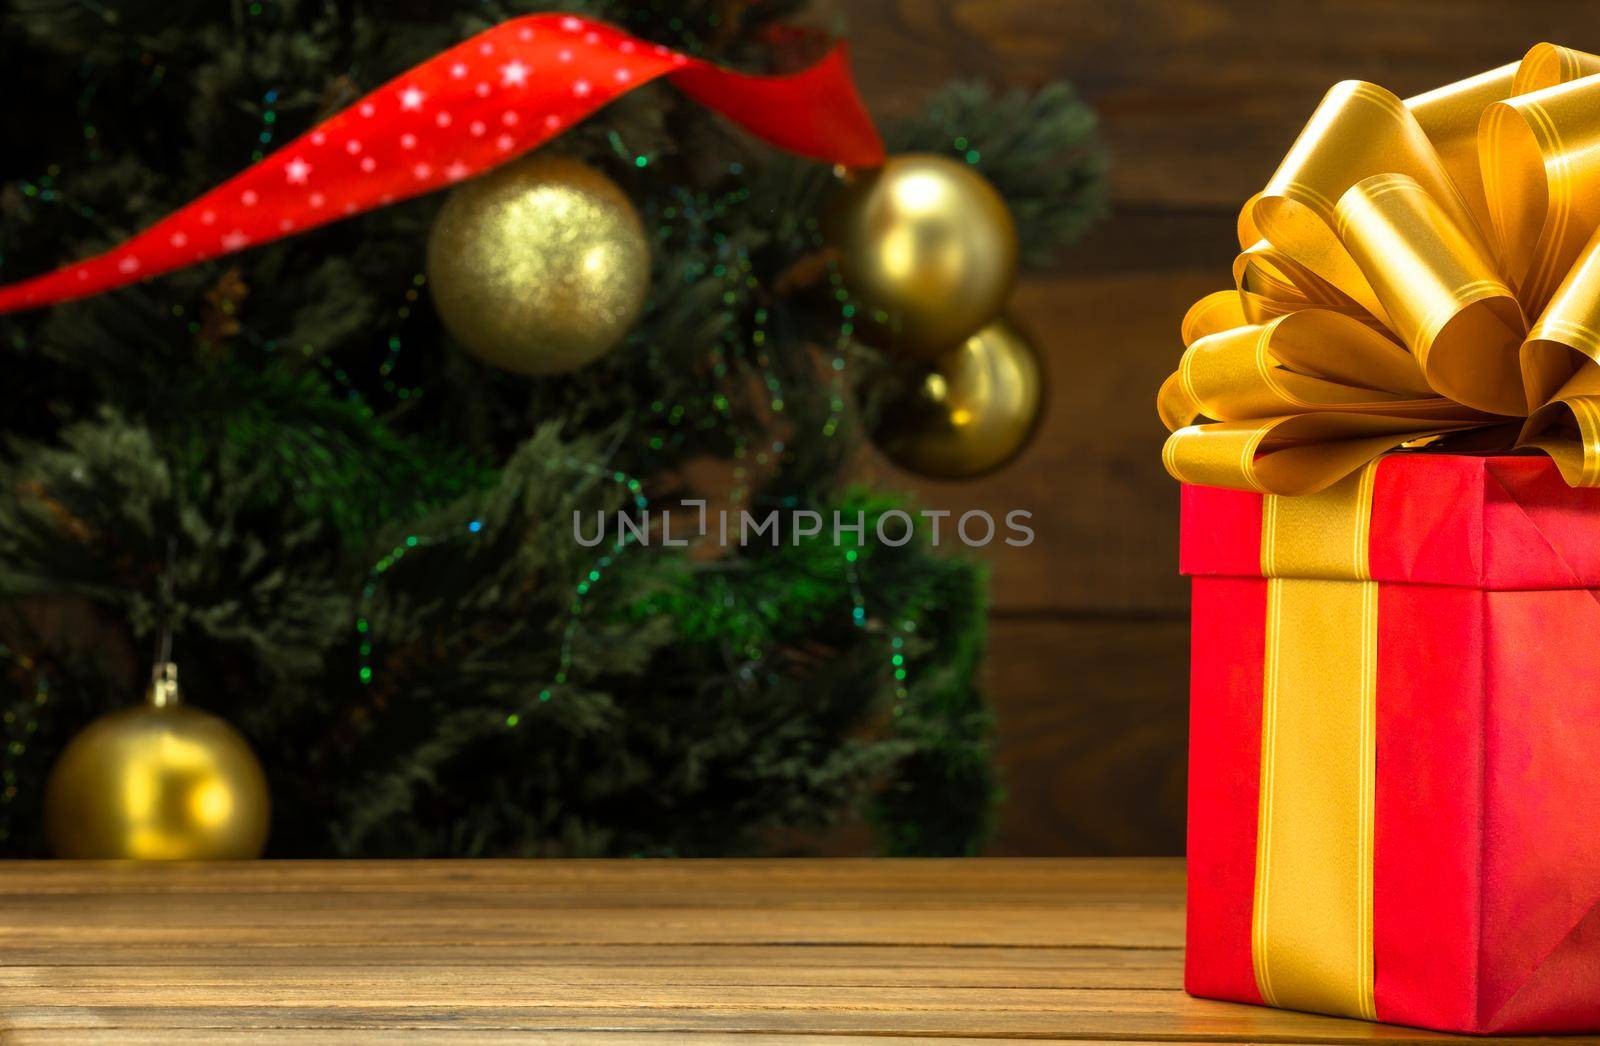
1415, 271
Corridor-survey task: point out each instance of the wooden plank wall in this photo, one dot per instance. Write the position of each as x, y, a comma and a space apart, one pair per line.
1199, 100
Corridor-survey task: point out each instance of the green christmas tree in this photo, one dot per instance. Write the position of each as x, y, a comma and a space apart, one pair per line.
360, 537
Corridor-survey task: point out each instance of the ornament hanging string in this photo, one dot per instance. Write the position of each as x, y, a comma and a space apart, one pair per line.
465, 111
164, 597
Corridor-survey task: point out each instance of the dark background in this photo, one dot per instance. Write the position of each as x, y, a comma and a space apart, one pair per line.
1199, 100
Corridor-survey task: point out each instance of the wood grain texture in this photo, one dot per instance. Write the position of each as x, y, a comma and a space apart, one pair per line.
619, 953
1091, 734
1200, 98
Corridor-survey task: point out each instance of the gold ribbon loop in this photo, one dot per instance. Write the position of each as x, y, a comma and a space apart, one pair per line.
1444, 300
1568, 332
1449, 116
1386, 279
1364, 357
1214, 313
1540, 155
1359, 130
1299, 453
1263, 269
1546, 65
1256, 371
1568, 427
1238, 375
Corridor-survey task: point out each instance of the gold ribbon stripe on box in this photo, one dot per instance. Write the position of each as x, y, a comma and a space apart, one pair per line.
1311, 933
1415, 271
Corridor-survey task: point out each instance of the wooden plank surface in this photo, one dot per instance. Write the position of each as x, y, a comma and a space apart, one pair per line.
1200, 98
621, 953
1104, 511
1091, 733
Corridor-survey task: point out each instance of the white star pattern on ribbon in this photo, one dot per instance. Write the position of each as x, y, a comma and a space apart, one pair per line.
461, 113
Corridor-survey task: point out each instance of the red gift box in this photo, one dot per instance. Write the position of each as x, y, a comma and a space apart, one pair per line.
1394, 778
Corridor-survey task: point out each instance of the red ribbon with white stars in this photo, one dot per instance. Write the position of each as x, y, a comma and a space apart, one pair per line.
469, 109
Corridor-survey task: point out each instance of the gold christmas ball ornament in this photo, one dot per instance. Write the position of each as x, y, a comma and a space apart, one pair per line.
540, 266
927, 248
973, 411
157, 782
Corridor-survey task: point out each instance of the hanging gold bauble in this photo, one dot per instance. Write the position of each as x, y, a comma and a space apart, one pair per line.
972, 413
928, 250
540, 266
157, 782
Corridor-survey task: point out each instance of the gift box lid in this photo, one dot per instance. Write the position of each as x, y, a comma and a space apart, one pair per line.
1504, 522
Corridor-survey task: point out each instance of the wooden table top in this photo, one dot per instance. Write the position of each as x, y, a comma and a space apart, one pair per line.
620, 952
